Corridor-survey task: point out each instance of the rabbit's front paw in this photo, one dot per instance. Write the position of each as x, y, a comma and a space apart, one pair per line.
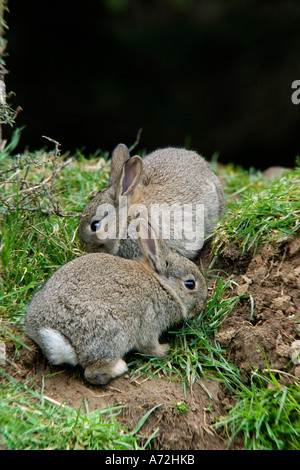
161, 350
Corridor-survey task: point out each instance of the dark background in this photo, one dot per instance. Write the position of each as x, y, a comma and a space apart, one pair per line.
214, 76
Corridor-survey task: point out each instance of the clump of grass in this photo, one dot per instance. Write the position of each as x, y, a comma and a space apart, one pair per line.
33, 182
237, 181
266, 415
25, 183
30, 420
262, 216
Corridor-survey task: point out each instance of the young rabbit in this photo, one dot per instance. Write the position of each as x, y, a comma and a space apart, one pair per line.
168, 179
98, 307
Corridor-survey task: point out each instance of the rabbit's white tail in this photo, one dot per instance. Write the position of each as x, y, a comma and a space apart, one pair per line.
57, 347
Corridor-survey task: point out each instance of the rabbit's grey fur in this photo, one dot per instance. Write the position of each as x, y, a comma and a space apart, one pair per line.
167, 176
98, 307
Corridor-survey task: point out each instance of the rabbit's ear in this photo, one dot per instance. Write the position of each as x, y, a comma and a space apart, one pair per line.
153, 246
119, 157
131, 175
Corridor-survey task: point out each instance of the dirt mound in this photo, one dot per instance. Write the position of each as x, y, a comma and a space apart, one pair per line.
262, 330
183, 421
262, 327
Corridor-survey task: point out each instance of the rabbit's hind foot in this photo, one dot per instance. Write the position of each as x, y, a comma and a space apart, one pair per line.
101, 372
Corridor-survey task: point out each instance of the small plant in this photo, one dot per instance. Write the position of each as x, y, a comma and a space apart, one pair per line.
7, 114
181, 406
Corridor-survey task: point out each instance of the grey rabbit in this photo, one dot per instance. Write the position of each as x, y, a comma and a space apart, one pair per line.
97, 307
168, 178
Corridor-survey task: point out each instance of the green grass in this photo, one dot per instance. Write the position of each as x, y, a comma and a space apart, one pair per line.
263, 212
39, 219
266, 414
31, 421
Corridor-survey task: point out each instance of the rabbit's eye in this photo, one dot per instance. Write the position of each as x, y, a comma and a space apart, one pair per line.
95, 225
190, 284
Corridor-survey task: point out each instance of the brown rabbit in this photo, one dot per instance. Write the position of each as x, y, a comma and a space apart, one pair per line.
98, 307
168, 179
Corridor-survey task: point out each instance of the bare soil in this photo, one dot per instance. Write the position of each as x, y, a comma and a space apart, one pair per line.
261, 331
266, 333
